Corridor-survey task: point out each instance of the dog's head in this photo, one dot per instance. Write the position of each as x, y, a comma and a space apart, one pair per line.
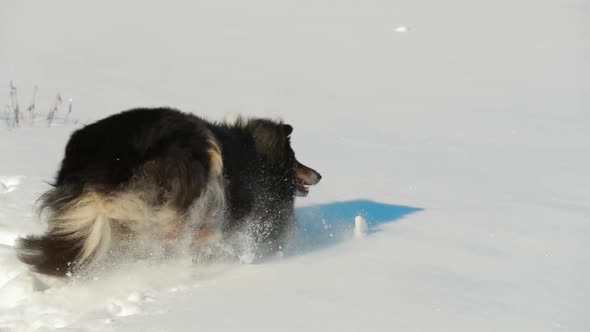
273, 141
305, 176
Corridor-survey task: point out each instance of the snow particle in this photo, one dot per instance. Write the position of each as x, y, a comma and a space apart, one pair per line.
401, 29
114, 308
247, 257
135, 297
360, 227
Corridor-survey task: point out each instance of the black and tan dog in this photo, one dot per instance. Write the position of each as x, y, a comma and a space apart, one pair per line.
163, 176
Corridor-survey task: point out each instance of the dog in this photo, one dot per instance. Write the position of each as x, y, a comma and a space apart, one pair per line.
171, 178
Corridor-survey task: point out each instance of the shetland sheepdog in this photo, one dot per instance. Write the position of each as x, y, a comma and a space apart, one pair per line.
164, 177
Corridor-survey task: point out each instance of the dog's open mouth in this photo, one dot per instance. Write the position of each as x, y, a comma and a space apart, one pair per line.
302, 188
305, 177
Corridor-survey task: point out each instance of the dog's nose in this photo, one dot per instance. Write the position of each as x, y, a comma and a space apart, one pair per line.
314, 177
318, 177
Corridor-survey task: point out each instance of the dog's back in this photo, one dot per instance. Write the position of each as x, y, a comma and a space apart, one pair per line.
137, 172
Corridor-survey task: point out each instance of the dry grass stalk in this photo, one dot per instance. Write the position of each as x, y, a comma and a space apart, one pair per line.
31, 108
14, 107
69, 109
54, 109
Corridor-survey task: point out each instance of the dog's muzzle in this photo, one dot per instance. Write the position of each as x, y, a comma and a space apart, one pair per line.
305, 177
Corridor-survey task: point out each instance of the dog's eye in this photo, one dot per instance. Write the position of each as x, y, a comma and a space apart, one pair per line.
288, 129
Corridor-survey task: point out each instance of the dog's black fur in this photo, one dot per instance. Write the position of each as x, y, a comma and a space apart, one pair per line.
168, 161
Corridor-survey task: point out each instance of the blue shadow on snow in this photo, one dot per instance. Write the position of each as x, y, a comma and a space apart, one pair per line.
325, 225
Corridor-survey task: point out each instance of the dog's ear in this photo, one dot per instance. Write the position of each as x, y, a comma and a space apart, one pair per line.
288, 129
270, 137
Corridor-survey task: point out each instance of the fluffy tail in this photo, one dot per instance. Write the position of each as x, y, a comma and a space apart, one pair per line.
79, 234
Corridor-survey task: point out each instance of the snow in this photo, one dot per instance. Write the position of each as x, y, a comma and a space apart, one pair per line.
463, 144
360, 227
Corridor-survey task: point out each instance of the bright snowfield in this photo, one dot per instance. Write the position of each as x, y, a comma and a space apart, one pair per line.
459, 129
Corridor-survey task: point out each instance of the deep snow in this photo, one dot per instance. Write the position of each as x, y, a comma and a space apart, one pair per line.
459, 129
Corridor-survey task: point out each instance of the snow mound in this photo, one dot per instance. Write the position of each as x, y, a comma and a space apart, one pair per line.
9, 183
